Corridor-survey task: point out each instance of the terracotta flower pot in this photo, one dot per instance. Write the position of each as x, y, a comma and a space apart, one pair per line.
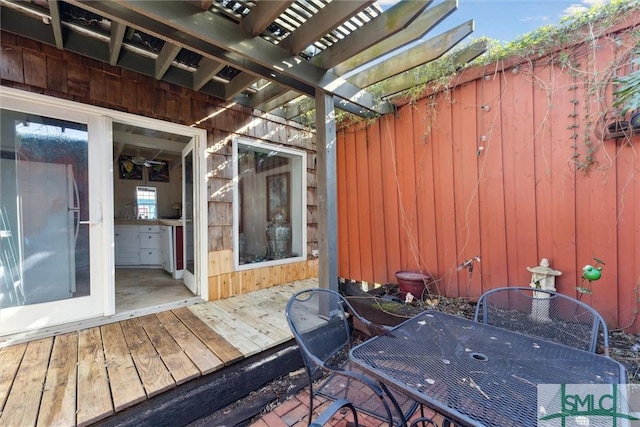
413, 282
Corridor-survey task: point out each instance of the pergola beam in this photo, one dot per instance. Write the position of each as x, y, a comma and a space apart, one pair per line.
320, 24
238, 84
396, 19
262, 15
267, 94
279, 102
413, 78
422, 53
416, 30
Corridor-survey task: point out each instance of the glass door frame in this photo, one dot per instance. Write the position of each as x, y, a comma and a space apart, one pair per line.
101, 189
30, 317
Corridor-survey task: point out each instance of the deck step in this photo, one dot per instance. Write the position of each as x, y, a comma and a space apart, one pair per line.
203, 396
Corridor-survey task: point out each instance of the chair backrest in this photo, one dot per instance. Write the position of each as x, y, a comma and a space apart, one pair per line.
544, 314
319, 324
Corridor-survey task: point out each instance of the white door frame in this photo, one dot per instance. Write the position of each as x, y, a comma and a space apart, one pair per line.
101, 190
36, 316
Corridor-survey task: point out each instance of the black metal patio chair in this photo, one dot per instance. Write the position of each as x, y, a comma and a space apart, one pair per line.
544, 314
318, 320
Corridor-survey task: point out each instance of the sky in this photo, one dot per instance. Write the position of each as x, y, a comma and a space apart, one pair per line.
505, 20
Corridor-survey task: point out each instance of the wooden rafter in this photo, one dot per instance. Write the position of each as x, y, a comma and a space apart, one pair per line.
56, 23
207, 68
118, 31
165, 58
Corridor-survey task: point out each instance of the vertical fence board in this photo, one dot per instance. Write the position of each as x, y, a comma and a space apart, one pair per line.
352, 204
563, 209
343, 208
423, 143
390, 195
491, 186
543, 146
524, 127
378, 245
519, 171
444, 197
406, 182
596, 186
462, 277
363, 212
468, 209
628, 233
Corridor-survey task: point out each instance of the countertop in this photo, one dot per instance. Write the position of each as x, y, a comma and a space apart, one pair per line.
171, 222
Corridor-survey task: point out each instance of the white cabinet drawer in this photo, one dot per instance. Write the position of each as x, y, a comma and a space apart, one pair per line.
127, 238
150, 228
128, 258
150, 240
150, 257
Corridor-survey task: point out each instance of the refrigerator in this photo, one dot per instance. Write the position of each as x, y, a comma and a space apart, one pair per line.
48, 216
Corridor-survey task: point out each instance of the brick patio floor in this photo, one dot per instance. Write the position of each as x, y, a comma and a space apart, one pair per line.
295, 412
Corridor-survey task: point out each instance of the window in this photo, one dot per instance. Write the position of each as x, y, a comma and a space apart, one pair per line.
270, 199
147, 202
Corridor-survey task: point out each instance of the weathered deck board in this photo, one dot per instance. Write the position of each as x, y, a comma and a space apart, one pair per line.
10, 359
265, 328
94, 398
239, 324
59, 396
180, 366
222, 348
204, 359
154, 374
81, 377
21, 408
238, 335
123, 375
272, 319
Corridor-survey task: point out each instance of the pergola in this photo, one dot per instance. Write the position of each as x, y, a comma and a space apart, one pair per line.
297, 59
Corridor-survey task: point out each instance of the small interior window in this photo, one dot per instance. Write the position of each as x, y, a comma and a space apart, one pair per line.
147, 202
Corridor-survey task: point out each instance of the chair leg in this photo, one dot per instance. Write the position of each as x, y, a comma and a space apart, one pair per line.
423, 422
310, 399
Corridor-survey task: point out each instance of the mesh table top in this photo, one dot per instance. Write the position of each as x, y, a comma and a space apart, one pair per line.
474, 373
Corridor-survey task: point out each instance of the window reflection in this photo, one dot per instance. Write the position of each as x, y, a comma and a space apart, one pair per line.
270, 213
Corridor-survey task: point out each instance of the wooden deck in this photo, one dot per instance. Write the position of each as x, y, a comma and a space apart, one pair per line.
82, 377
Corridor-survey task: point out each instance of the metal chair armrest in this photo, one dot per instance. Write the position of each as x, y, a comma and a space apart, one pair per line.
331, 410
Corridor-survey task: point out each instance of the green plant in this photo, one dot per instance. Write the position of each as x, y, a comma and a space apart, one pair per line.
628, 93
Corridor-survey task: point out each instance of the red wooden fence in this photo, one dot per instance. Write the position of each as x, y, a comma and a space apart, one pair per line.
497, 168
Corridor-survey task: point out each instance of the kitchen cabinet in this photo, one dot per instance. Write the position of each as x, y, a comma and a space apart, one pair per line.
138, 245
127, 242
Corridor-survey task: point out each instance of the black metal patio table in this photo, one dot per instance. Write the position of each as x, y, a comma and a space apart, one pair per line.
476, 374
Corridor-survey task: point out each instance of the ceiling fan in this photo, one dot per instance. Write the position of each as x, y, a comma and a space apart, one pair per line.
143, 161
